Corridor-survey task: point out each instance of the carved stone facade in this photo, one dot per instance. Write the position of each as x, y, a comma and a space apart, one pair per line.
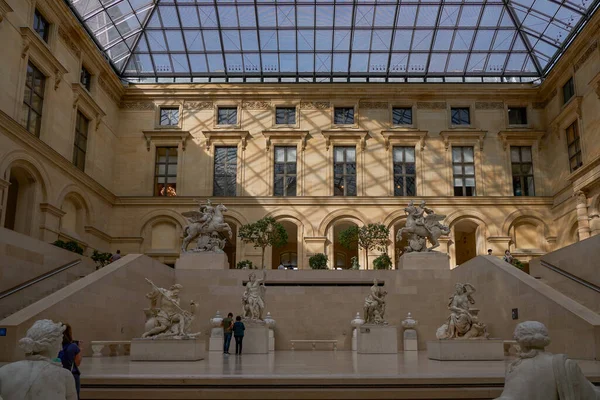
584, 57
66, 38
256, 105
137, 105
375, 105
198, 105
489, 105
314, 105
431, 105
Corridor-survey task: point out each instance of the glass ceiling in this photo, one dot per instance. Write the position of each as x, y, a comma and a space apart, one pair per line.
342, 40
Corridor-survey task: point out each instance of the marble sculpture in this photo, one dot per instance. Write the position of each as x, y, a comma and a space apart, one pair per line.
165, 318
39, 376
463, 322
422, 223
374, 308
253, 299
206, 224
540, 375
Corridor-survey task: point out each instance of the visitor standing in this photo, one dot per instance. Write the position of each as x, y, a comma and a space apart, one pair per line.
508, 257
227, 325
70, 355
281, 266
115, 256
238, 334
489, 252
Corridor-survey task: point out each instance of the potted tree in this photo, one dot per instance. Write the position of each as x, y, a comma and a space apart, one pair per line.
263, 233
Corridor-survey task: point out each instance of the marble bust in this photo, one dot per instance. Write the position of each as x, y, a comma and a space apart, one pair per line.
540, 375
38, 376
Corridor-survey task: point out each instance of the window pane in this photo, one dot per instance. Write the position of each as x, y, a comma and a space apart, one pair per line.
457, 169
515, 154
344, 115
468, 154
350, 155
409, 154
285, 115
410, 168
402, 116
351, 182
410, 186
169, 116
456, 154
530, 186
278, 186
460, 116
165, 171
291, 154
398, 154
517, 115
469, 181
279, 154
469, 170
526, 154
227, 116
290, 186
399, 186
339, 154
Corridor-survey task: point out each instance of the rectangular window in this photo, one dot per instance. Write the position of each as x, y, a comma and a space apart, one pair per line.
41, 25
402, 116
517, 115
343, 115
81, 136
227, 116
344, 171
85, 78
165, 175
285, 171
225, 176
405, 176
522, 171
169, 116
463, 168
31, 112
574, 147
568, 91
460, 116
285, 115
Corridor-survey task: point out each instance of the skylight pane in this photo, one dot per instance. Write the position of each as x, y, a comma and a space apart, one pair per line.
162, 63
483, 40
341, 40
495, 64
324, 16
251, 62
193, 40
156, 40
359, 62
503, 40
364, 16
180, 63
427, 16
212, 42
362, 40
249, 40
477, 62
198, 63
189, 17
227, 16
343, 16
323, 63
215, 63
417, 63
449, 15
398, 62
305, 16
406, 16
402, 39
247, 18
287, 40
381, 39
286, 16
490, 17
422, 40
268, 40
462, 40
324, 39
378, 62
234, 62
175, 40
443, 40
287, 62
384, 16
270, 63
469, 16
231, 40
340, 62
139, 64
306, 39
208, 16
515, 63
456, 63
168, 16
306, 63
437, 63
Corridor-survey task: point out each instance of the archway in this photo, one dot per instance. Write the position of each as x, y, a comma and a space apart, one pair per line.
230, 248
21, 201
401, 244
465, 239
342, 256
288, 254
73, 221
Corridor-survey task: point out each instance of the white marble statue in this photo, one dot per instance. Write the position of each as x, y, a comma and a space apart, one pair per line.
463, 322
374, 308
207, 222
253, 299
422, 223
39, 376
539, 375
165, 318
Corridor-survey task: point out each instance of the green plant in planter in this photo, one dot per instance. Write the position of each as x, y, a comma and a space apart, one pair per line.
262, 233
70, 245
245, 264
101, 259
318, 261
382, 262
518, 264
369, 237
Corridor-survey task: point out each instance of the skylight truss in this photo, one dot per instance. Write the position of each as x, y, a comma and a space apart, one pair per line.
343, 40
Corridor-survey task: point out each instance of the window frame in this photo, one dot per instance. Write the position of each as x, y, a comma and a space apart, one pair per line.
218, 107
277, 107
463, 175
340, 105
38, 16
284, 175
570, 83
214, 171
524, 107
86, 84
522, 177
577, 155
469, 115
412, 117
344, 173
79, 116
171, 108
404, 175
28, 104
156, 192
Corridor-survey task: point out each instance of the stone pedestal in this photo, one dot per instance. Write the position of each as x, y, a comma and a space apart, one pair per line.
256, 340
167, 349
202, 260
377, 339
354, 339
271, 340
426, 260
215, 343
465, 350
410, 340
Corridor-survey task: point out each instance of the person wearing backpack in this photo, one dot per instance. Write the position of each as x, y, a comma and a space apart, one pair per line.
70, 356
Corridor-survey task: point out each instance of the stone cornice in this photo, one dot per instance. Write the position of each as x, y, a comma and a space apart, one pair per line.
50, 209
293, 134
358, 135
586, 176
596, 82
237, 136
404, 135
98, 233
463, 135
518, 136
83, 100
166, 135
43, 57
133, 239
4, 9
14, 130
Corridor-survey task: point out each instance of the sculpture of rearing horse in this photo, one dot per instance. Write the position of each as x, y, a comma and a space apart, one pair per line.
197, 227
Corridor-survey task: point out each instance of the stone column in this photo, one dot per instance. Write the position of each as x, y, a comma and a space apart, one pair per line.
583, 220
594, 224
4, 184
50, 222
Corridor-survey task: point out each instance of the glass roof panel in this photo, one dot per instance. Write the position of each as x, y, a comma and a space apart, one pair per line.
333, 40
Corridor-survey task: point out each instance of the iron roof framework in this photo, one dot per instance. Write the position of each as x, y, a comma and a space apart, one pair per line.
333, 41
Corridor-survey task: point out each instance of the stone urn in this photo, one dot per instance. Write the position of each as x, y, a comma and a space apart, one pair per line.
269, 321
216, 320
357, 321
409, 322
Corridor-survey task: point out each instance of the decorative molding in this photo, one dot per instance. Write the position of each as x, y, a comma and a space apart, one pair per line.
301, 136
4, 9
463, 135
358, 135
66, 38
98, 233
489, 105
4, 183
584, 57
138, 105
373, 105
255, 105
523, 136
35, 47
238, 136
198, 105
431, 105
110, 89
565, 116
411, 136
131, 239
580, 197
83, 100
586, 176
315, 105
163, 135
596, 82
50, 209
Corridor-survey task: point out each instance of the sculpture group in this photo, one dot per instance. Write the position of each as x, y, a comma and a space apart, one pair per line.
422, 224
463, 322
374, 308
206, 224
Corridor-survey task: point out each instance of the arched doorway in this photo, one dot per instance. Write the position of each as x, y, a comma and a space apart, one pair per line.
342, 256
288, 254
399, 245
21, 199
465, 239
230, 248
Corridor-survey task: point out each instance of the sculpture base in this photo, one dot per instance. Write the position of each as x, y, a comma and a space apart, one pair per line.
167, 350
215, 343
256, 340
465, 350
202, 260
410, 340
425, 260
377, 339
271, 340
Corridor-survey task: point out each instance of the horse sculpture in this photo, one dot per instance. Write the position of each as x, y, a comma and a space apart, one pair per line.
198, 227
431, 229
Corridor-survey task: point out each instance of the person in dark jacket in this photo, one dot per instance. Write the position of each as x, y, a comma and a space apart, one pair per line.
238, 334
70, 355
